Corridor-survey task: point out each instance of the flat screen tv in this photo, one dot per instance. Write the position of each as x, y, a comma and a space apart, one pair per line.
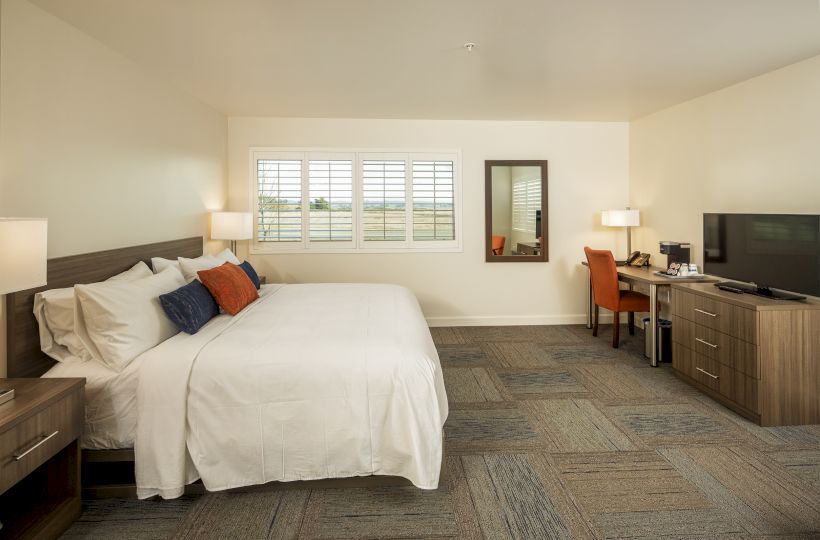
768, 253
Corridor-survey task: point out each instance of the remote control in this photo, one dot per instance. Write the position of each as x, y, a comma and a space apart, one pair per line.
730, 289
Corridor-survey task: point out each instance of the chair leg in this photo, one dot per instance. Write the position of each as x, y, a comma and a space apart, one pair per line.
595, 321
631, 322
616, 327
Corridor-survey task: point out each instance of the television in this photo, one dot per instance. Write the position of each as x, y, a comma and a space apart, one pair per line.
767, 253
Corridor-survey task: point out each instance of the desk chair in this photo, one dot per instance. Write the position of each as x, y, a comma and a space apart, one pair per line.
608, 294
498, 244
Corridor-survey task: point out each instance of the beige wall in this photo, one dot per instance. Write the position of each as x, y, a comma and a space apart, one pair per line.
108, 154
588, 171
752, 147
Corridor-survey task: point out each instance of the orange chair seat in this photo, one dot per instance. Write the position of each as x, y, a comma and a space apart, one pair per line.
634, 301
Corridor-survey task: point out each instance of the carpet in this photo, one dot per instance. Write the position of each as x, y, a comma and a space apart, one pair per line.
552, 434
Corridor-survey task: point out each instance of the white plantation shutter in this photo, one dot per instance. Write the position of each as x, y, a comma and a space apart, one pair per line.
526, 199
279, 200
433, 200
331, 200
383, 200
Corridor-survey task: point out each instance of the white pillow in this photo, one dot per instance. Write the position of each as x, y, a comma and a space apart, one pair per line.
117, 321
159, 264
54, 311
190, 267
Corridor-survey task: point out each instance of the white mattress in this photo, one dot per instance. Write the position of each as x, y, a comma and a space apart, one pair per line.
310, 381
110, 401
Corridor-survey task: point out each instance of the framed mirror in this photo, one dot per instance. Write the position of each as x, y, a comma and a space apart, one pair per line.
515, 201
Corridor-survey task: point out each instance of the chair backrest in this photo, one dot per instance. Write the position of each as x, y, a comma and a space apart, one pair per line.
604, 278
498, 244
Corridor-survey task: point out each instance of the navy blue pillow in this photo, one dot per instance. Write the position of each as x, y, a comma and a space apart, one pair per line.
246, 266
189, 307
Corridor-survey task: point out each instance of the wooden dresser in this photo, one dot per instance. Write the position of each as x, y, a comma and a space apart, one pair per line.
759, 357
40, 457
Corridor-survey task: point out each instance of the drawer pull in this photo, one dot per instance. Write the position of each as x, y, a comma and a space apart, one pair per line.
42, 441
706, 342
706, 312
707, 373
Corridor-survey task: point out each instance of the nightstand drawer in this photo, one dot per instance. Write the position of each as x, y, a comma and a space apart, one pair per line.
715, 314
30, 443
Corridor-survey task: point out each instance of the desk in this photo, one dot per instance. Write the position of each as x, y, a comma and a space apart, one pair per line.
647, 276
528, 248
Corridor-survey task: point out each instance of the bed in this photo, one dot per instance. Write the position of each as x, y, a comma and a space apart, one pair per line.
312, 381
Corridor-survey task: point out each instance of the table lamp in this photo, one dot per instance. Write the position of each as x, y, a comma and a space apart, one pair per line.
622, 218
231, 226
24, 244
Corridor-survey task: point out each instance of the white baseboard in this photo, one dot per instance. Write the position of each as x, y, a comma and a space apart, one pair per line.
513, 320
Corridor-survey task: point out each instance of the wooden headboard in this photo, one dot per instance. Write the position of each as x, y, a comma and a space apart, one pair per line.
24, 357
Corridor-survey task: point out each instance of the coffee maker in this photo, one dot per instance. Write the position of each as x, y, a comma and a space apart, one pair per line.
676, 252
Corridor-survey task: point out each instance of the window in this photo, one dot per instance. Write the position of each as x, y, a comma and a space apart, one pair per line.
355, 201
433, 209
279, 185
331, 200
384, 214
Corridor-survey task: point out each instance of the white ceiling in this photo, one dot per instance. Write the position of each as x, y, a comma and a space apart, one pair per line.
536, 59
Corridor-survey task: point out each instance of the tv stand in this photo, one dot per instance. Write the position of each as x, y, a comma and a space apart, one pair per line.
756, 355
765, 292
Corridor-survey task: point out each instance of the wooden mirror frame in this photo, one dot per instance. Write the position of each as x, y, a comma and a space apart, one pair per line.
488, 210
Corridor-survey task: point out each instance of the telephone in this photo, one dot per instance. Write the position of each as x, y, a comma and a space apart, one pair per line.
636, 258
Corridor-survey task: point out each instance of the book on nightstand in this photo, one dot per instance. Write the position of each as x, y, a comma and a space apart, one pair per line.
6, 394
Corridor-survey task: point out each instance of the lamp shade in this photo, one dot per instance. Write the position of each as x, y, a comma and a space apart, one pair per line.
621, 218
231, 225
24, 244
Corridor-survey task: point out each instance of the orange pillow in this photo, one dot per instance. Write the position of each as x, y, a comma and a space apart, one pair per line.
230, 286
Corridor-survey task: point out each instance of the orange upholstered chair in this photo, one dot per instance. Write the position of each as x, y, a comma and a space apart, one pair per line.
609, 296
498, 244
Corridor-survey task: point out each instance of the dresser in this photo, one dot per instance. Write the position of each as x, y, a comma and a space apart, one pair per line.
759, 357
40, 457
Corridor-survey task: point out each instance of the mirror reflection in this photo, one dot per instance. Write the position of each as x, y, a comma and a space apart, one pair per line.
515, 210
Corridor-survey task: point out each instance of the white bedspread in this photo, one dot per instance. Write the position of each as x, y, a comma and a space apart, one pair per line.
311, 381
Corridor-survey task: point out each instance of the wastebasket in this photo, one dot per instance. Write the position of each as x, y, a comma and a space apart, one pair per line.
664, 340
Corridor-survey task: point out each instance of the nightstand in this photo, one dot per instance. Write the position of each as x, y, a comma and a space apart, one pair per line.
40, 457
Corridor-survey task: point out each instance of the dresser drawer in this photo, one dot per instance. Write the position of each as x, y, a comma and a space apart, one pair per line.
728, 382
735, 353
715, 314
30, 443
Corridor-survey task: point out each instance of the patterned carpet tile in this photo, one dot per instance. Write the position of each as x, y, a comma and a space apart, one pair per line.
576, 425
580, 354
783, 501
674, 424
614, 383
129, 519
383, 512
802, 463
653, 524
511, 501
447, 336
517, 355
539, 383
254, 514
462, 356
471, 429
470, 385
615, 482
